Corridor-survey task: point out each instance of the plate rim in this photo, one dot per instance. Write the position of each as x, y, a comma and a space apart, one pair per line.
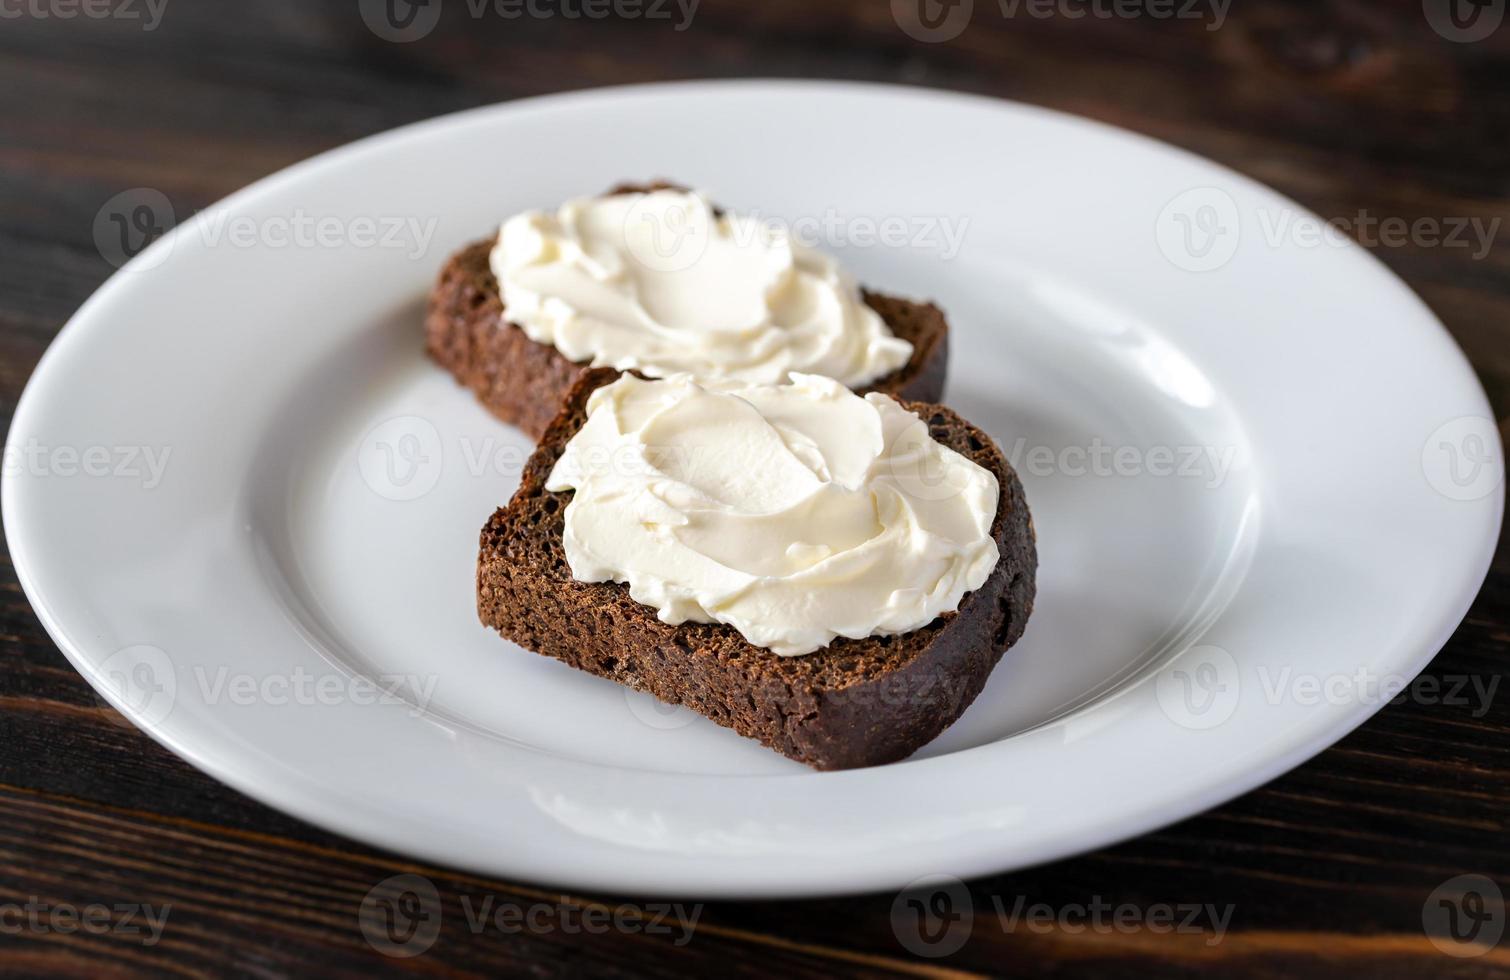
289, 799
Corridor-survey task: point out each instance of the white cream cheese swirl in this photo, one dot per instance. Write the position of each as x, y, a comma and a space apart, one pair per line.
794, 513
658, 283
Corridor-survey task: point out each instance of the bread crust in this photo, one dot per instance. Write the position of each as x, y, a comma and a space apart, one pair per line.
855, 703
523, 382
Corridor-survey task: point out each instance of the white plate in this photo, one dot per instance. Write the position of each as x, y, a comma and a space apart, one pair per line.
318, 513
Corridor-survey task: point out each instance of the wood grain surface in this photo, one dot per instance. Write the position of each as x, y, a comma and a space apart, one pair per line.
1347, 106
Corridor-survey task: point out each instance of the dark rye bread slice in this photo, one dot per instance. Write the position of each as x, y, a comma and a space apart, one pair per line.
854, 703
523, 382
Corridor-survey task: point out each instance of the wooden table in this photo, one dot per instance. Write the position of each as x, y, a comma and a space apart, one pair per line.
1348, 107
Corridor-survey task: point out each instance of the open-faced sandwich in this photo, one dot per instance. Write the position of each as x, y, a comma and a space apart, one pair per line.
832, 574
656, 280
746, 498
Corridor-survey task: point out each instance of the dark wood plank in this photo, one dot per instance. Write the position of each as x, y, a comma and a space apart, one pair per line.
193, 885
